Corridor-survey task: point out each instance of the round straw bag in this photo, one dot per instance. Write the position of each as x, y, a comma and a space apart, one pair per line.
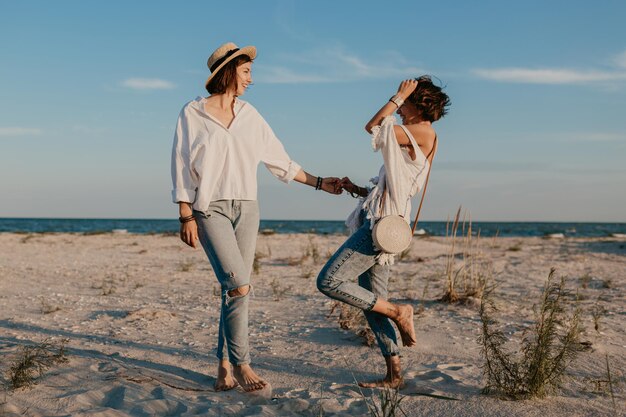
392, 234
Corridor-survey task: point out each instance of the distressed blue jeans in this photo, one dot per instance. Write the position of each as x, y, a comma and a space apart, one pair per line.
338, 280
228, 232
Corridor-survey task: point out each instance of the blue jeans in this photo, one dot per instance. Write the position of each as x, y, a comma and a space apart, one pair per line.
228, 232
337, 279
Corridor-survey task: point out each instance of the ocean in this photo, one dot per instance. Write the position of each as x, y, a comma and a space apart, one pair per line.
435, 228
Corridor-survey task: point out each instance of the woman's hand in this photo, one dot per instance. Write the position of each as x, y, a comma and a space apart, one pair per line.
331, 185
348, 185
404, 91
352, 188
189, 233
406, 88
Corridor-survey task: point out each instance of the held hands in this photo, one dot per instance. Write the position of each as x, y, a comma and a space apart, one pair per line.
349, 186
337, 186
331, 185
354, 190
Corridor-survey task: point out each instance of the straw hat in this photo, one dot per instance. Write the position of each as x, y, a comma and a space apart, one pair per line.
224, 54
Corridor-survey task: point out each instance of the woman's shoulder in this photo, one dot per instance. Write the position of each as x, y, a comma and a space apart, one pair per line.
244, 105
251, 113
422, 132
194, 104
423, 128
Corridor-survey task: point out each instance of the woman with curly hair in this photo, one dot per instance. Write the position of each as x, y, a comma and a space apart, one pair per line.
358, 272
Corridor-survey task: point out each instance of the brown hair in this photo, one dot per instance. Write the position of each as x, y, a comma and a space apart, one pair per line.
431, 102
226, 78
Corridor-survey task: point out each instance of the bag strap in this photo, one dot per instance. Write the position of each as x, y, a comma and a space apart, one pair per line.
430, 167
431, 154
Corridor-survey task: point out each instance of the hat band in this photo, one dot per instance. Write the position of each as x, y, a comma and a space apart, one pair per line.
222, 59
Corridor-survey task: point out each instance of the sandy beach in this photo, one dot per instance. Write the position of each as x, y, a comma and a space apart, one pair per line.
139, 314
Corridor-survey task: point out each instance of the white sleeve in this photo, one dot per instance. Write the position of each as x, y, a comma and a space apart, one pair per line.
184, 184
276, 158
384, 140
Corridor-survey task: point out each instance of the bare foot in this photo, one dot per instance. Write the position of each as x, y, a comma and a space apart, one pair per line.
404, 322
225, 380
248, 379
384, 383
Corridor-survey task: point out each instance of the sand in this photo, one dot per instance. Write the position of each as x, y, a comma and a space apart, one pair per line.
140, 315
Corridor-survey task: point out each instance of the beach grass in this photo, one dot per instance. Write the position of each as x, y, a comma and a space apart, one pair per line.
352, 318
469, 276
34, 360
545, 353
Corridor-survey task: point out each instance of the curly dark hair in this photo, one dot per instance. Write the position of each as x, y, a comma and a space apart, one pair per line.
431, 102
226, 77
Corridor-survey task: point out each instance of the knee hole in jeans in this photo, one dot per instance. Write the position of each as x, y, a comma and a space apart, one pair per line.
240, 291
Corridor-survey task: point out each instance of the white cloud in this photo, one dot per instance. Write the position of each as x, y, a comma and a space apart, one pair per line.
547, 75
147, 84
334, 65
282, 75
556, 75
19, 131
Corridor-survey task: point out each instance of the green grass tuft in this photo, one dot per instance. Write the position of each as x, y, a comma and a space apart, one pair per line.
34, 360
551, 345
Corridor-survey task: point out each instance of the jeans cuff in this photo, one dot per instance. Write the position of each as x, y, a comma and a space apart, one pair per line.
371, 306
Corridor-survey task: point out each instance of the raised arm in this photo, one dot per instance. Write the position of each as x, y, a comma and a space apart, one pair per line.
404, 91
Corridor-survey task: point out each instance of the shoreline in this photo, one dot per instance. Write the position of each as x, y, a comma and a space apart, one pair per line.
321, 227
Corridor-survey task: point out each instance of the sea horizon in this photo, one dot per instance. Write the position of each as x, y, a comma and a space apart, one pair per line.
268, 226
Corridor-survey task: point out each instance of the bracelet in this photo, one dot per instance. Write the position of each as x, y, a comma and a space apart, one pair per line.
398, 101
356, 193
318, 186
186, 219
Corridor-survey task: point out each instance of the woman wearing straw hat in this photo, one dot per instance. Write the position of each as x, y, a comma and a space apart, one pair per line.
219, 142
358, 273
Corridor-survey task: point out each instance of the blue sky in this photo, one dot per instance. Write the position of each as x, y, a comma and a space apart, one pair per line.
90, 92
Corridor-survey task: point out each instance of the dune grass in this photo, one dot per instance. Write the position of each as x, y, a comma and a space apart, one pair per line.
34, 360
545, 353
468, 276
352, 318
388, 403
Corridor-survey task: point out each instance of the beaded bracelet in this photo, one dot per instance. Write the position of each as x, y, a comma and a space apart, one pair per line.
355, 193
187, 219
318, 186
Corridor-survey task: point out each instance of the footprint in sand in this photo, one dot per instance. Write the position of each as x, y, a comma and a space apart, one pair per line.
114, 398
440, 381
135, 400
104, 367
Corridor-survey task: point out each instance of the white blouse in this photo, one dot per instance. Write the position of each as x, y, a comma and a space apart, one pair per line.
213, 162
400, 177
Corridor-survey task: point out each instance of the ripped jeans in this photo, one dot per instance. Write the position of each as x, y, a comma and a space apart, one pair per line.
338, 280
228, 232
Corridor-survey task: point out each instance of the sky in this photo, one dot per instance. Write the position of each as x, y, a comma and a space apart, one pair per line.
90, 92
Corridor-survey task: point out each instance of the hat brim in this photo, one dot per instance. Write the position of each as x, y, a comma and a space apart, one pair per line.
246, 50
